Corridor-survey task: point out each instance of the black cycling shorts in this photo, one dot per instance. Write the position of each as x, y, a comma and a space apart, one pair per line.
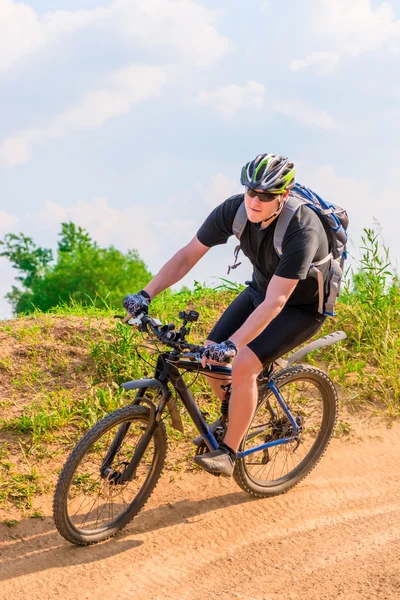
289, 329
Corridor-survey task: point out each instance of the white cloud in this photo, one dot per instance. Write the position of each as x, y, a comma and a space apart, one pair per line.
156, 233
355, 27
301, 111
231, 98
357, 196
134, 227
139, 82
8, 222
219, 189
107, 225
228, 100
14, 151
66, 21
320, 62
183, 25
20, 32
350, 29
130, 84
393, 174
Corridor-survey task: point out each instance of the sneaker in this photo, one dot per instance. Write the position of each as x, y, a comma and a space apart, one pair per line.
217, 462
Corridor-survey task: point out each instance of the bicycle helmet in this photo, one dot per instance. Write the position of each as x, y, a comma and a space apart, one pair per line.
269, 172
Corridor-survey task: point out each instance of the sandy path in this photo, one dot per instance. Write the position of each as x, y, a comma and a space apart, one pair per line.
336, 535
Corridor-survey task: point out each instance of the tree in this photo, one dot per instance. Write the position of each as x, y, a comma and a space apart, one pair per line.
83, 271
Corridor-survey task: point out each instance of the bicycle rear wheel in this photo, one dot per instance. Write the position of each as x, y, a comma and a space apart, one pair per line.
89, 504
312, 399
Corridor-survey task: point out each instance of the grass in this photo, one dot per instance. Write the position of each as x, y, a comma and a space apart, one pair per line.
59, 410
19, 488
369, 313
60, 371
10, 522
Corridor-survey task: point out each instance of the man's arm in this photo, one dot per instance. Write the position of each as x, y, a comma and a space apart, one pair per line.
278, 292
177, 267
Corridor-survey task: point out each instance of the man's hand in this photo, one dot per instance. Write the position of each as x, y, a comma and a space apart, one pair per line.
136, 304
224, 352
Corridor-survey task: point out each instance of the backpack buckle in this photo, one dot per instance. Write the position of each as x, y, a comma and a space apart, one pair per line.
235, 264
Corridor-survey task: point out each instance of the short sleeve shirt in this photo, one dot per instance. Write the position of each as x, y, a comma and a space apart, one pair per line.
305, 242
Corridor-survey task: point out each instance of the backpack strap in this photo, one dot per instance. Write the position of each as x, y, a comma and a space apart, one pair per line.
290, 208
239, 221
334, 288
238, 225
320, 279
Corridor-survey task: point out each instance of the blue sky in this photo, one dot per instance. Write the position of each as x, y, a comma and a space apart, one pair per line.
133, 117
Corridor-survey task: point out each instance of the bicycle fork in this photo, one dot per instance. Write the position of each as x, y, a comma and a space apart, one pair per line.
129, 473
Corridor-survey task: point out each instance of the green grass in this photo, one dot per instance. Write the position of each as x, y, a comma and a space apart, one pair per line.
11, 522
19, 488
369, 313
59, 410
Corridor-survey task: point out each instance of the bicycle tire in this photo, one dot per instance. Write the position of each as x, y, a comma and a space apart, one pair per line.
291, 375
62, 519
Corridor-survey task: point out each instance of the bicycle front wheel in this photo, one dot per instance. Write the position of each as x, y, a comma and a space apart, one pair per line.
90, 505
312, 399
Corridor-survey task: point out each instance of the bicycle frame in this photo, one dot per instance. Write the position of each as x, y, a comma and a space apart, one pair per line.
167, 371
202, 426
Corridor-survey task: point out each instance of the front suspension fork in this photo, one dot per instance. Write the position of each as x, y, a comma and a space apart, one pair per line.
129, 472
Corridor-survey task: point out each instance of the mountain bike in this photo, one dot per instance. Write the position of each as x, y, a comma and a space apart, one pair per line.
112, 471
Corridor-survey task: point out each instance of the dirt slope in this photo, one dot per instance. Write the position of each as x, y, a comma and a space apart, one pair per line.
336, 535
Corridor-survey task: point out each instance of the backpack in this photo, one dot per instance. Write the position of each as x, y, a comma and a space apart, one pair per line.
335, 222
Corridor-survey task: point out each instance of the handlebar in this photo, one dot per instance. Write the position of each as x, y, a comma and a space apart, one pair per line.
165, 334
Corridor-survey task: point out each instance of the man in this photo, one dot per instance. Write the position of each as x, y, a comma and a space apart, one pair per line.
275, 313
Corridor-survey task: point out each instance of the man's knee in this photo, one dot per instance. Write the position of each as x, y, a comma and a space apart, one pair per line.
246, 365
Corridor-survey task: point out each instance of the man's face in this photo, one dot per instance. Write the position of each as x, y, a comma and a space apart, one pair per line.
258, 211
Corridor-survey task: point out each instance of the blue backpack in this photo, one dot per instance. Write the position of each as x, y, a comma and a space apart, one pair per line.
335, 222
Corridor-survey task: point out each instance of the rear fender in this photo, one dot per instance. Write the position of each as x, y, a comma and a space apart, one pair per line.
327, 340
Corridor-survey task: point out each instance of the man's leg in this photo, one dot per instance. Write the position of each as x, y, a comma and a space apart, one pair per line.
230, 321
242, 404
288, 330
243, 400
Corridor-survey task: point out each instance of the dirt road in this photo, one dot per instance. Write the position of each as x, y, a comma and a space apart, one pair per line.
336, 535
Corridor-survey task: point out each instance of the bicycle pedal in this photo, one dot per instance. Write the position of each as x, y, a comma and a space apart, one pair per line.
201, 449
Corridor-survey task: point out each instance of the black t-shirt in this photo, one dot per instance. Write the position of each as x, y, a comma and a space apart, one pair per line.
305, 242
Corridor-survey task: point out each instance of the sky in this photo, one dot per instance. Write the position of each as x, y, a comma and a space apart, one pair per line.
133, 118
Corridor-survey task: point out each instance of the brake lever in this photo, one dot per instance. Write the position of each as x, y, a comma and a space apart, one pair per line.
134, 321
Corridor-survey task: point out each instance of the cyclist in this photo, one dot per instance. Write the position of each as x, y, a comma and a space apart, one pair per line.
276, 312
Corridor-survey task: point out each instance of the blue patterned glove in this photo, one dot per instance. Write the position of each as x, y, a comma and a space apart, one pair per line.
224, 352
136, 304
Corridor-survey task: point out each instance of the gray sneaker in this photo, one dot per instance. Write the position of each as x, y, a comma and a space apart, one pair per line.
217, 462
